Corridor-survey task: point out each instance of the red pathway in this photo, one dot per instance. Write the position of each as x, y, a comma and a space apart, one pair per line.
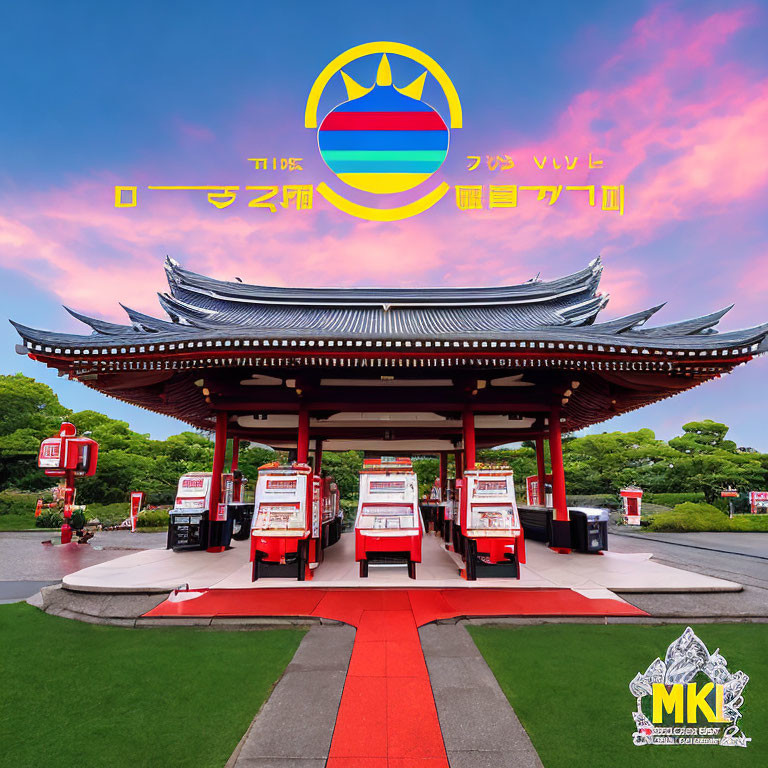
387, 716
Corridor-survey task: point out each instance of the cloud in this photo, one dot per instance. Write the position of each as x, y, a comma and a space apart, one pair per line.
673, 115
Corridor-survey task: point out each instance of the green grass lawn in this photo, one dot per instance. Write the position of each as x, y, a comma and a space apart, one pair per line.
17, 522
82, 695
569, 685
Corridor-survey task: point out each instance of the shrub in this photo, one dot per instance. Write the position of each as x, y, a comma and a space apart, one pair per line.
349, 508
49, 518
108, 514
672, 499
17, 503
690, 517
153, 518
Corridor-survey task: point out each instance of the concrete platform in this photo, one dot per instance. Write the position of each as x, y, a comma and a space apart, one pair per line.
596, 576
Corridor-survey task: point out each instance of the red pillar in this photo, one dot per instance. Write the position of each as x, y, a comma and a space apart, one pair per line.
443, 474
541, 471
458, 461
468, 423
219, 455
558, 473
69, 500
318, 456
302, 443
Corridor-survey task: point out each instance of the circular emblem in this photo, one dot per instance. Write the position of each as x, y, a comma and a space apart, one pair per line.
383, 139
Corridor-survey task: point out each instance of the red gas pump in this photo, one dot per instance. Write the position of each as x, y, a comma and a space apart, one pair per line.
388, 527
491, 540
286, 529
68, 456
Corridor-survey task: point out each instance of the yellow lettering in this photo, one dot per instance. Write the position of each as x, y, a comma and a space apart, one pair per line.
697, 700
670, 701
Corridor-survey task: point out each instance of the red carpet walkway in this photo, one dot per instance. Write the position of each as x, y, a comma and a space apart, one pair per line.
427, 605
387, 716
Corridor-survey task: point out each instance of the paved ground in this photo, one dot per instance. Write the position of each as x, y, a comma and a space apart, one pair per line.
741, 557
26, 564
295, 726
480, 729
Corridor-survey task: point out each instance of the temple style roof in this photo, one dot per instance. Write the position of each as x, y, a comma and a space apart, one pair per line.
516, 351
201, 308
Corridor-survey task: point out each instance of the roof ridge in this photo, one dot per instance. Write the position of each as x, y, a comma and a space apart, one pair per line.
586, 279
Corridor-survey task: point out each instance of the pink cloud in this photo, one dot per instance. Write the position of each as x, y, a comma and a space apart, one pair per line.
670, 114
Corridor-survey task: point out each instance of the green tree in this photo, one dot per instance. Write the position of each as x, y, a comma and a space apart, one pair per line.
703, 437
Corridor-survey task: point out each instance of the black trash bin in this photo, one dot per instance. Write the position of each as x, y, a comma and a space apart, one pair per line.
589, 529
241, 514
187, 530
220, 531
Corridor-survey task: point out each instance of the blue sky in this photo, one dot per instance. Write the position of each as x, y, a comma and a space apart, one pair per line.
95, 94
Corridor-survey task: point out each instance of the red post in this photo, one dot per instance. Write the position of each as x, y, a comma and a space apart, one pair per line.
69, 500
459, 464
318, 456
468, 423
542, 472
558, 473
302, 442
219, 455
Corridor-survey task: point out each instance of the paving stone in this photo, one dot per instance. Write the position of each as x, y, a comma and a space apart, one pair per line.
479, 726
442, 640
295, 726
477, 759
328, 648
460, 672
298, 719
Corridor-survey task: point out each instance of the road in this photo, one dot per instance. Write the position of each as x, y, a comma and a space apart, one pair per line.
739, 557
26, 564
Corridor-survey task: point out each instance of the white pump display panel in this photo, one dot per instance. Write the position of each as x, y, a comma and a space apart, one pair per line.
388, 524
281, 503
491, 506
389, 499
194, 492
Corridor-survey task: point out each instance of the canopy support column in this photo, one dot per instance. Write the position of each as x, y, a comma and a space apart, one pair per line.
458, 462
318, 456
542, 472
468, 423
302, 442
558, 480
219, 456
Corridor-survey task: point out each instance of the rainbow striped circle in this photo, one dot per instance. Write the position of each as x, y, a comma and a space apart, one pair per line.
384, 141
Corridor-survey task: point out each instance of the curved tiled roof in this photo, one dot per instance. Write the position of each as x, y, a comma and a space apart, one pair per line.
561, 310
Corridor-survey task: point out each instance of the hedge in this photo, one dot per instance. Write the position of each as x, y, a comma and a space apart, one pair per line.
673, 499
690, 517
18, 503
